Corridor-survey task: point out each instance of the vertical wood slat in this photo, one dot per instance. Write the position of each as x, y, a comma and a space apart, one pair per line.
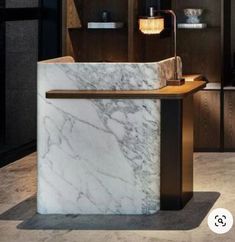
207, 121
72, 20
229, 120
131, 24
136, 40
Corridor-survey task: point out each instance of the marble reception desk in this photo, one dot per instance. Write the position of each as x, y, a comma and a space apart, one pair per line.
100, 139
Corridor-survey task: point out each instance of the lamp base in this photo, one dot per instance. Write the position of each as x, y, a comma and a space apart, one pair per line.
176, 82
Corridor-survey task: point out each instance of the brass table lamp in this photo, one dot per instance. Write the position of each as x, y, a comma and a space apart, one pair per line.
153, 24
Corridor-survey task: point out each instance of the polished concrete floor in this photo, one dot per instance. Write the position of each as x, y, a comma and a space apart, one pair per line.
214, 185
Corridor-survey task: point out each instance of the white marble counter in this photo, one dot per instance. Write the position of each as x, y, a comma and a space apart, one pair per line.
99, 156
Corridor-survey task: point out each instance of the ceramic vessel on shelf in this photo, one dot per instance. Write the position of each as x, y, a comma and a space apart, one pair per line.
193, 15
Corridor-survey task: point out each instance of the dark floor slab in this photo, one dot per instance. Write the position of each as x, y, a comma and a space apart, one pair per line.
188, 218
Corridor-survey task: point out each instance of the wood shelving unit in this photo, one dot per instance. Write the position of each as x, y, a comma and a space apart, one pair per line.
207, 51
116, 45
202, 49
98, 45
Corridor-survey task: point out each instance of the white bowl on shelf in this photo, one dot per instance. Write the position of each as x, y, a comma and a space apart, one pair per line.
193, 15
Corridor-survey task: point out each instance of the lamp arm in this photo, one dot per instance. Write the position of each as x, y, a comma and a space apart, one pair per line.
175, 39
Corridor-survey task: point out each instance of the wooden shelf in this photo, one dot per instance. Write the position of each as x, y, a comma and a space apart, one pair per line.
213, 86
229, 88
168, 92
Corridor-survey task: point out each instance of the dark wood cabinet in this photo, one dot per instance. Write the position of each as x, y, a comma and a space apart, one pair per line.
113, 45
207, 121
98, 45
207, 51
202, 50
229, 120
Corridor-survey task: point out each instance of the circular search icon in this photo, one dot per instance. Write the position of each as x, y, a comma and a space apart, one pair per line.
220, 221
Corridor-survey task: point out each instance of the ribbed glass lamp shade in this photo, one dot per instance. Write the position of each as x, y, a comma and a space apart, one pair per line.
151, 25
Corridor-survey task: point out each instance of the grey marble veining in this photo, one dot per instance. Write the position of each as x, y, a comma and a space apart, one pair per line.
99, 156
111, 76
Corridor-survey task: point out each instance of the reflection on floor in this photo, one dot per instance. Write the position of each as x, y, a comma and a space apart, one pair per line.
214, 185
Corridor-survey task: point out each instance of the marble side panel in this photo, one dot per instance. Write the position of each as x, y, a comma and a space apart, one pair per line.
99, 157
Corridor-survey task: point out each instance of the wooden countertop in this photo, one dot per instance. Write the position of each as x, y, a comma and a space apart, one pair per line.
168, 92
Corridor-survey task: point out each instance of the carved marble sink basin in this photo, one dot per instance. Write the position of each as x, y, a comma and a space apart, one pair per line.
109, 76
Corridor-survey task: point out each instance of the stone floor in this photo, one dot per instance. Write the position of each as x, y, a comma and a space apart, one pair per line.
214, 186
